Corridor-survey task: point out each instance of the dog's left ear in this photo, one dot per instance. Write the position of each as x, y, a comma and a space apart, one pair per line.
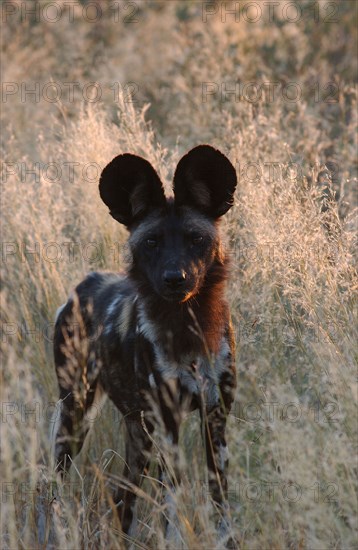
205, 179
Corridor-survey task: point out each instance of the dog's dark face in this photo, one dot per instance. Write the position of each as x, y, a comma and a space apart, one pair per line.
174, 242
173, 251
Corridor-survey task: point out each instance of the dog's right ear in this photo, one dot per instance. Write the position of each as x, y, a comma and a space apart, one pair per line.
131, 188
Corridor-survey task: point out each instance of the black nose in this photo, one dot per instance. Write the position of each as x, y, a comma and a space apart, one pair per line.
174, 278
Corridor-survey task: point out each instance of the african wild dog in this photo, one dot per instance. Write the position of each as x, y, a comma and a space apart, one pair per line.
162, 333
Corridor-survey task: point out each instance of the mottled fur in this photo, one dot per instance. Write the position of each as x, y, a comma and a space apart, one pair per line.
161, 334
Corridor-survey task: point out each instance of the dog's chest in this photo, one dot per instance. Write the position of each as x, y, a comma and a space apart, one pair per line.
195, 374
198, 376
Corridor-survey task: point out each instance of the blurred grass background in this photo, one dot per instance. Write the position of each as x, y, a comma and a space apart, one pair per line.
164, 71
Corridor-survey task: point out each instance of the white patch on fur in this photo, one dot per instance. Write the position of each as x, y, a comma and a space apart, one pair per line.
122, 321
224, 530
204, 379
111, 309
95, 410
223, 457
55, 423
125, 317
146, 327
223, 358
132, 531
108, 328
152, 381
172, 532
59, 311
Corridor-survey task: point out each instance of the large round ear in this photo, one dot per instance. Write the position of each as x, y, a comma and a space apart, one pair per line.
131, 188
205, 179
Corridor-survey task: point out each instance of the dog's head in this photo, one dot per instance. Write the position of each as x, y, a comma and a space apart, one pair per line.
175, 241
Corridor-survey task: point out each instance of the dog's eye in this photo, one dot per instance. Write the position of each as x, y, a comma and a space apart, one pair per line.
196, 239
151, 243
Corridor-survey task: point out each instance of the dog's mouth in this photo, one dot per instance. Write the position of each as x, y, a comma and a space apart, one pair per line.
179, 295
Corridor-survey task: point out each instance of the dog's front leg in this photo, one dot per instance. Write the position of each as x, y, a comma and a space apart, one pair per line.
169, 476
214, 426
216, 453
169, 470
217, 462
138, 447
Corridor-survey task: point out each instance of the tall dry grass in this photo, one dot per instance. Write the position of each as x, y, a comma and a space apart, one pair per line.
292, 431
